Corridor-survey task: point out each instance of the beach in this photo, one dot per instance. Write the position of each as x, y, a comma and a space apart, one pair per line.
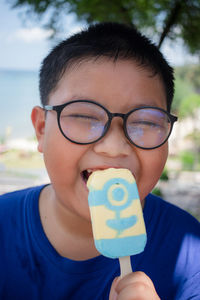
21, 165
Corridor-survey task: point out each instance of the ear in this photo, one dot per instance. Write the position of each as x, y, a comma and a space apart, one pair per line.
38, 120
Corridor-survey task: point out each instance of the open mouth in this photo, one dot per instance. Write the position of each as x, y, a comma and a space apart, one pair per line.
85, 175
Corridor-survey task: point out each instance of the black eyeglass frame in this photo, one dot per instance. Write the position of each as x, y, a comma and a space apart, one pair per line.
59, 108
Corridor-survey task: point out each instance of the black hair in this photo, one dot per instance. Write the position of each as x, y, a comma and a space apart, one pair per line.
111, 40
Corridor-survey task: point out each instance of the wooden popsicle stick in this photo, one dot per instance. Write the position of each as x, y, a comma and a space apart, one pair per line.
125, 265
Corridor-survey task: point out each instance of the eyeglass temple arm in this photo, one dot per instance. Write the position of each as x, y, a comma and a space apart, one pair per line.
174, 118
48, 107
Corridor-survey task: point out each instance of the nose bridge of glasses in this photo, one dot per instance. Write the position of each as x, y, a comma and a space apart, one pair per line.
113, 115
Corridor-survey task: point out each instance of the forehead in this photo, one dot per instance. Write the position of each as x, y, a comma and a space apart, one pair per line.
122, 84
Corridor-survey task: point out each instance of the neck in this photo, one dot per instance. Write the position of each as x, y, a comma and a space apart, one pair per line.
69, 234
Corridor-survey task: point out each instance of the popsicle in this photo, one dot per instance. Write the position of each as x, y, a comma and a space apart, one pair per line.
116, 213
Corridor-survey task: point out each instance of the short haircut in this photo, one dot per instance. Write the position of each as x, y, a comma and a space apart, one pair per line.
111, 40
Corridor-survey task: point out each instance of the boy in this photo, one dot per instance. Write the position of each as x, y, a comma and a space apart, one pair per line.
47, 249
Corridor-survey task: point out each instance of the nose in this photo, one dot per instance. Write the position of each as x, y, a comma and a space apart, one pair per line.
114, 143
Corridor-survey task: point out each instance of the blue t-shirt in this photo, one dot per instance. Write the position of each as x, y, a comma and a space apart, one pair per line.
30, 268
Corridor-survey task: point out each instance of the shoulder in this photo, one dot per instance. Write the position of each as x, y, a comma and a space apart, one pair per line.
175, 229
16, 199
172, 226
174, 235
170, 214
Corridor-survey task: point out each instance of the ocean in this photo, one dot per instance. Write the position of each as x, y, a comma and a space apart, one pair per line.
18, 94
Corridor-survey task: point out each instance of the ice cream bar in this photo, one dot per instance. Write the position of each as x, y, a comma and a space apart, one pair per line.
116, 213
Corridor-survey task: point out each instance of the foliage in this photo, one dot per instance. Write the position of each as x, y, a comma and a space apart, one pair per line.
161, 18
164, 176
187, 90
157, 191
187, 160
195, 137
190, 73
189, 105
183, 88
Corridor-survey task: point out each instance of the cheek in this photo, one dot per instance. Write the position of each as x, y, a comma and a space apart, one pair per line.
61, 157
152, 165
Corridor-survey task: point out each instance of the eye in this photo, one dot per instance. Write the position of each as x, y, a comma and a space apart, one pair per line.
84, 117
145, 124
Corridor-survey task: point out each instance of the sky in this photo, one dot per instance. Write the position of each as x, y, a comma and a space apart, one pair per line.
24, 46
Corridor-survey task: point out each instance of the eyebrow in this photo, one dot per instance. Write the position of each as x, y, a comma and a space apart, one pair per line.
78, 97
145, 105
139, 105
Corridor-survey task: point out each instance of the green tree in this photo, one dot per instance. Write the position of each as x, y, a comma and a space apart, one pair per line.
183, 88
159, 19
190, 74
190, 106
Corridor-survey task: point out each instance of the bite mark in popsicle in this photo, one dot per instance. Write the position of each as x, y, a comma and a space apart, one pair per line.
116, 213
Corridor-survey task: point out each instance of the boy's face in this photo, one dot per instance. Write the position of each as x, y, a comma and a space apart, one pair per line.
120, 87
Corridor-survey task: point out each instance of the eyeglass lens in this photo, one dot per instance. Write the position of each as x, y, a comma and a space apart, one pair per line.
148, 127
84, 122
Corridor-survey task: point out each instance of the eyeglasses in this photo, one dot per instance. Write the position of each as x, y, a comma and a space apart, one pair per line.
86, 122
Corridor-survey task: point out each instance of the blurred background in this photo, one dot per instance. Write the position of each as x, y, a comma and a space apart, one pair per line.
30, 28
